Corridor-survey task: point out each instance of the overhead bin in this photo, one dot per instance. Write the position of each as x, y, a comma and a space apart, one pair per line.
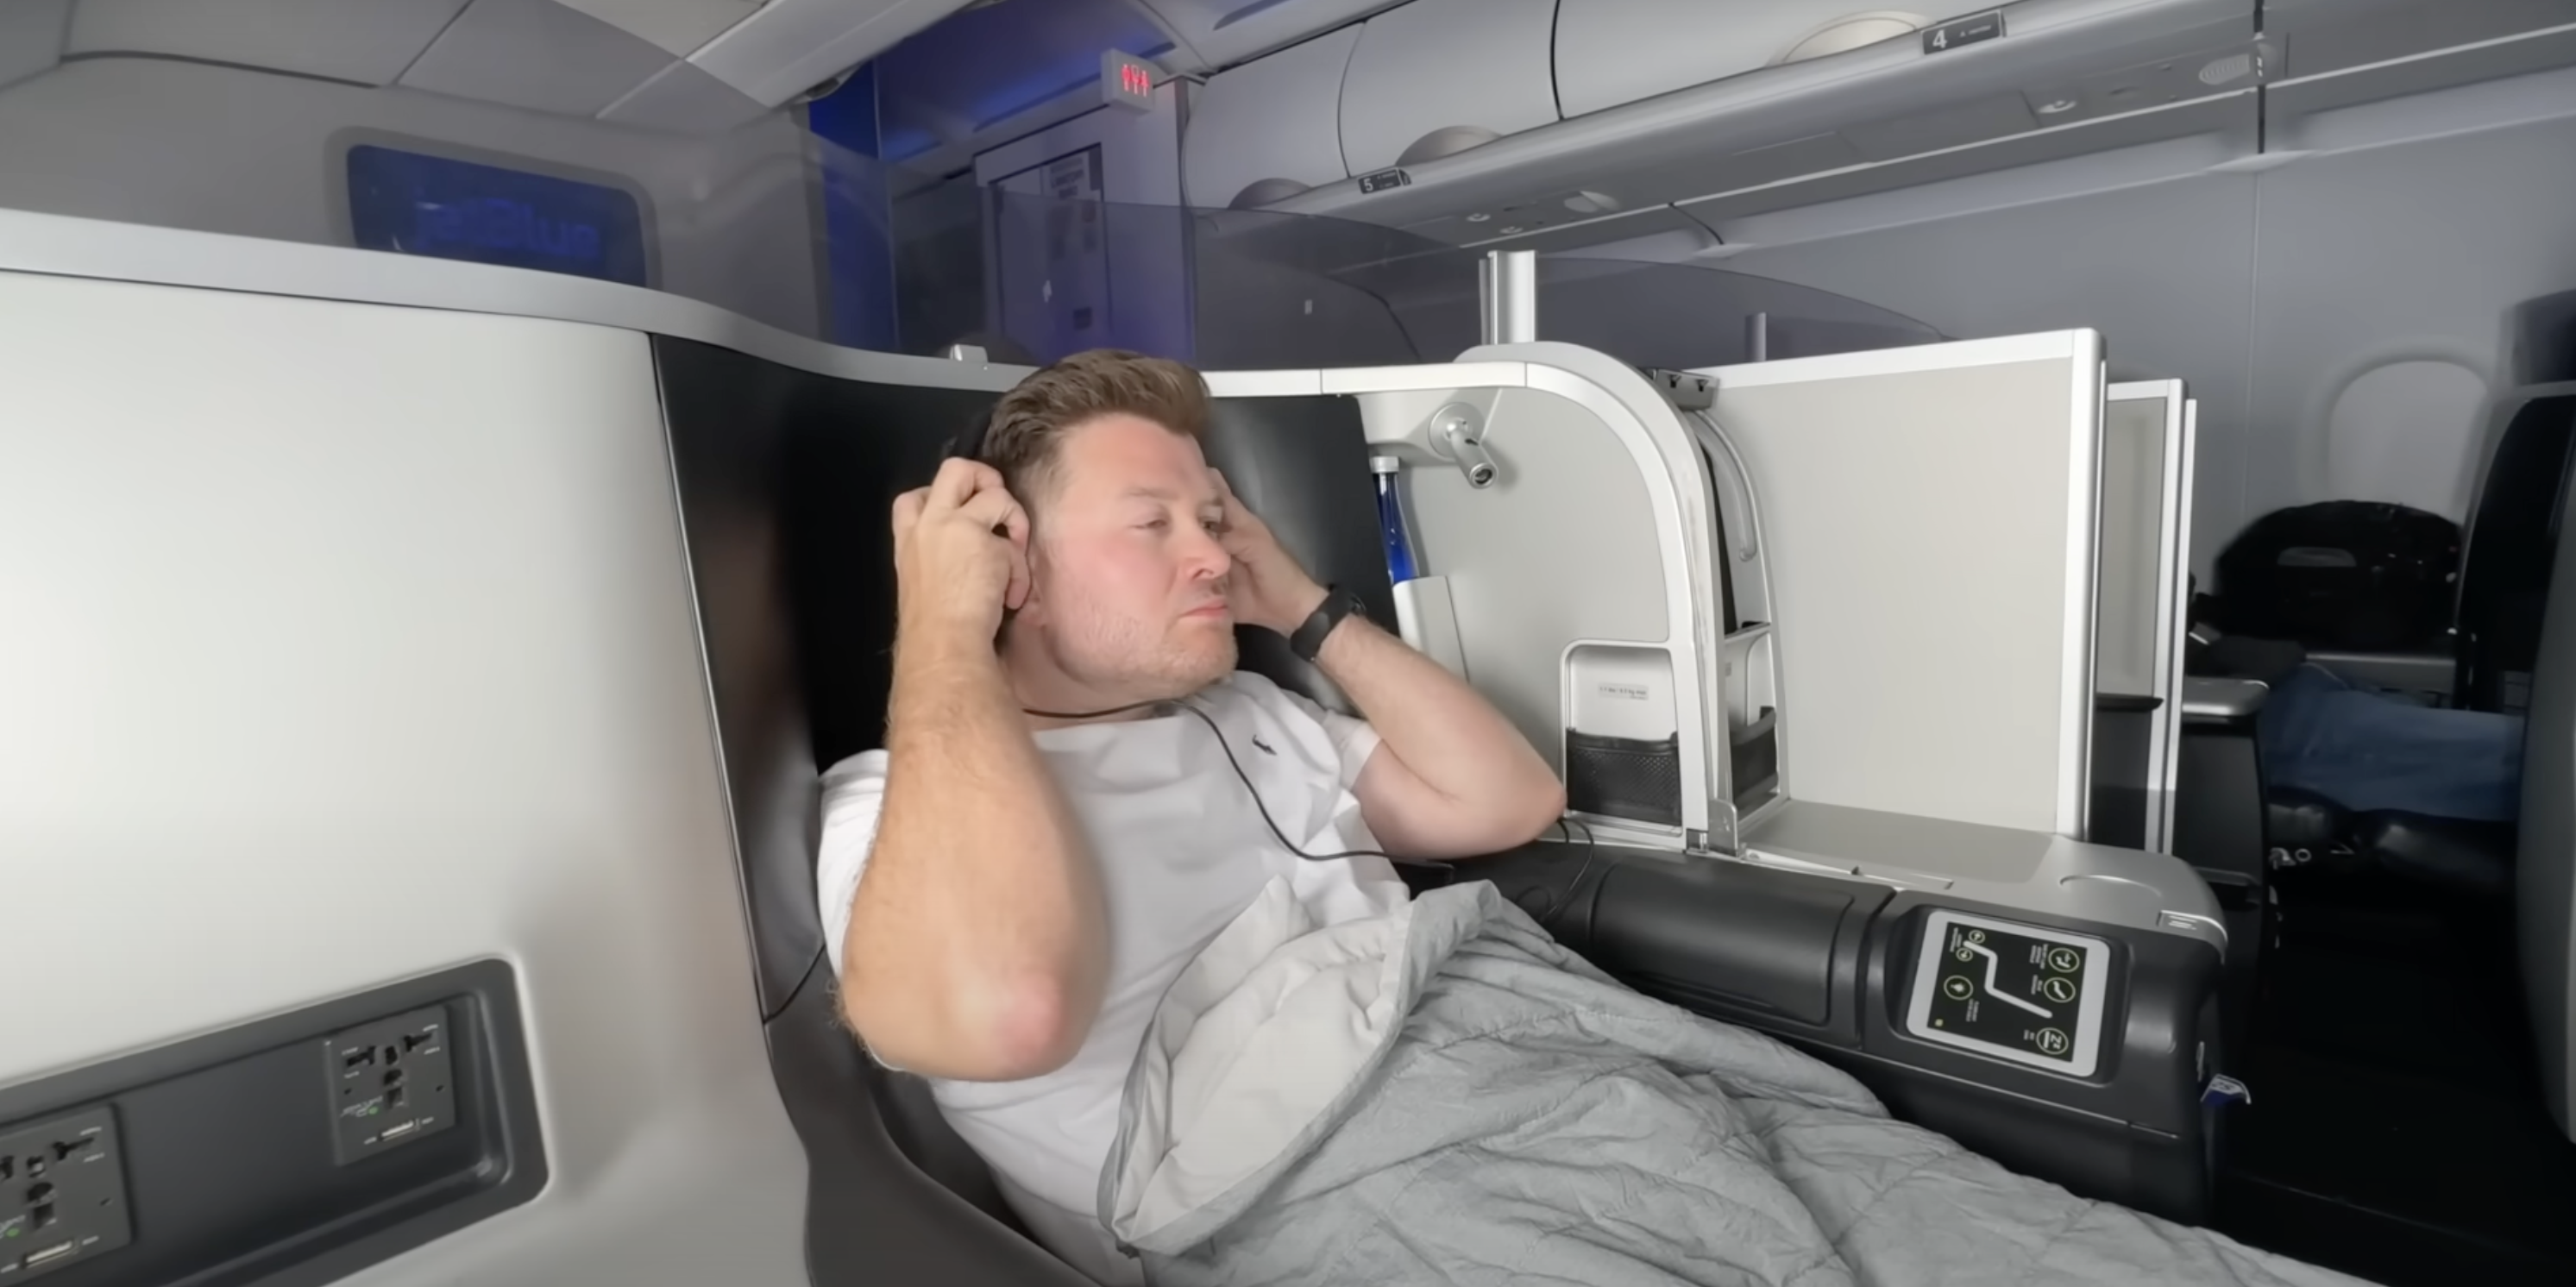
2321, 36
1226, 32
1269, 129
1610, 52
1436, 78
2337, 53
2058, 75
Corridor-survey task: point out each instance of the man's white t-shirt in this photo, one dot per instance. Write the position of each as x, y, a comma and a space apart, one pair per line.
1182, 850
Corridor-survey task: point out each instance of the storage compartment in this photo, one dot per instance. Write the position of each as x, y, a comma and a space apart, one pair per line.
1750, 945
1268, 130
1610, 52
1837, 968
1752, 719
1622, 733
1438, 77
1229, 31
1699, 125
2318, 37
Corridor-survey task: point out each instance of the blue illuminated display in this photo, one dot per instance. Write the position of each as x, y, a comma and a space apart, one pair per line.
428, 205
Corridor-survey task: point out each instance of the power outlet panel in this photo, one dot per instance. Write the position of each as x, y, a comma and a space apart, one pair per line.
62, 1194
392, 1082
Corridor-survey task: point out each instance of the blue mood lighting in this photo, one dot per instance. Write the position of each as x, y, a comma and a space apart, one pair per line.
415, 204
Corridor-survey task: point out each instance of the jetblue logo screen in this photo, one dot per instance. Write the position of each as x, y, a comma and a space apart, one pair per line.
426, 205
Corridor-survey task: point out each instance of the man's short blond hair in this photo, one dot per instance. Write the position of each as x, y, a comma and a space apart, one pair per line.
1025, 438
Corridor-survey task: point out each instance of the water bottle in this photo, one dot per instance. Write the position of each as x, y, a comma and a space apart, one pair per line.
1390, 520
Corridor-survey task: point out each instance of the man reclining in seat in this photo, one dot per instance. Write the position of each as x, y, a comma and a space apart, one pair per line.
1020, 893
1034, 882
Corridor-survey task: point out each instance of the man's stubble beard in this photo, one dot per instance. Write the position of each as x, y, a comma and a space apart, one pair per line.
1119, 659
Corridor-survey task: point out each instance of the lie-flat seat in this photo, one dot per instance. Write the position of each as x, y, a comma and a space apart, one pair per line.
1302, 465
2486, 664
2301, 828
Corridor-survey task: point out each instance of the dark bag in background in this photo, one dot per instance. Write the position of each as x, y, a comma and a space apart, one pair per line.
2361, 575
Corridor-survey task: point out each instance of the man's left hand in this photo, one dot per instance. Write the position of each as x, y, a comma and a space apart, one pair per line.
1266, 587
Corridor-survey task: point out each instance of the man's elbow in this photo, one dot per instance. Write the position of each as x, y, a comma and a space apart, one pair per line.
1507, 821
1026, 1028
984, 1030
1551, 802
1539, 807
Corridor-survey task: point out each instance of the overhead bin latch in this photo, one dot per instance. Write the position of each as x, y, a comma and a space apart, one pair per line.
1686, 390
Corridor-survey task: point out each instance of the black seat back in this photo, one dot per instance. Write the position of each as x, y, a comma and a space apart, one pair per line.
2513, 543
785, 480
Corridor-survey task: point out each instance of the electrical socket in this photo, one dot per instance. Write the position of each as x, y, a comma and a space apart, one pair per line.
392, 1081
62, 1194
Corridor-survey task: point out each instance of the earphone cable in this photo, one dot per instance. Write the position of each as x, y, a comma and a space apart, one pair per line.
1564, 826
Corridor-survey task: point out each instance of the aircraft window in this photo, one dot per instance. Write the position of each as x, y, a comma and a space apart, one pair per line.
2407, 432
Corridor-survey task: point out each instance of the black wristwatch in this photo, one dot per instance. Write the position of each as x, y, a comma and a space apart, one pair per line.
1309, 638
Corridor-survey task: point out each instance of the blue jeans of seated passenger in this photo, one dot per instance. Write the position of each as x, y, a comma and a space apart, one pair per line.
2367, 751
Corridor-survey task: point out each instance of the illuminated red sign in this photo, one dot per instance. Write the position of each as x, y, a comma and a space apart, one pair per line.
1127, 81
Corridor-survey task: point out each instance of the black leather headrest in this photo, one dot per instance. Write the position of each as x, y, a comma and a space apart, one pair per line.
1302, 465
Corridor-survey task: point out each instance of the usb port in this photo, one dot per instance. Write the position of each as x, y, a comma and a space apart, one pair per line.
357, 1059
49, 1255
394, 1098
397, 1132
44, 1216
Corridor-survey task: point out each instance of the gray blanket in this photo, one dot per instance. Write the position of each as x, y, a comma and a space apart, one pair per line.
1449, 1096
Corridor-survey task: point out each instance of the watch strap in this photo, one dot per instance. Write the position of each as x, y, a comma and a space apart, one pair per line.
1308, 641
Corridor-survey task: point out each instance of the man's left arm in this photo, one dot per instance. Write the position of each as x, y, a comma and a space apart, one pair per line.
1451, 777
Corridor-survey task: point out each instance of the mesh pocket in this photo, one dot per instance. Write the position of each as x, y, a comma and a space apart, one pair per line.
1619, 777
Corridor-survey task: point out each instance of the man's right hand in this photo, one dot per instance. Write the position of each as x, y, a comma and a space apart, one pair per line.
960, 552
976, 947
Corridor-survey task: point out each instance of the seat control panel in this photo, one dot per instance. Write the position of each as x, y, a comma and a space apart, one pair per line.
2019, 993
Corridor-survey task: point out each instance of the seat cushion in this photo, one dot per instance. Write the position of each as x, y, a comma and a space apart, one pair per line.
2468, 857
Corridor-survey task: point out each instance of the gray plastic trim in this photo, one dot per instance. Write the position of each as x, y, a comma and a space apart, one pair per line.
2172, 598
2206, 697
64, 246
